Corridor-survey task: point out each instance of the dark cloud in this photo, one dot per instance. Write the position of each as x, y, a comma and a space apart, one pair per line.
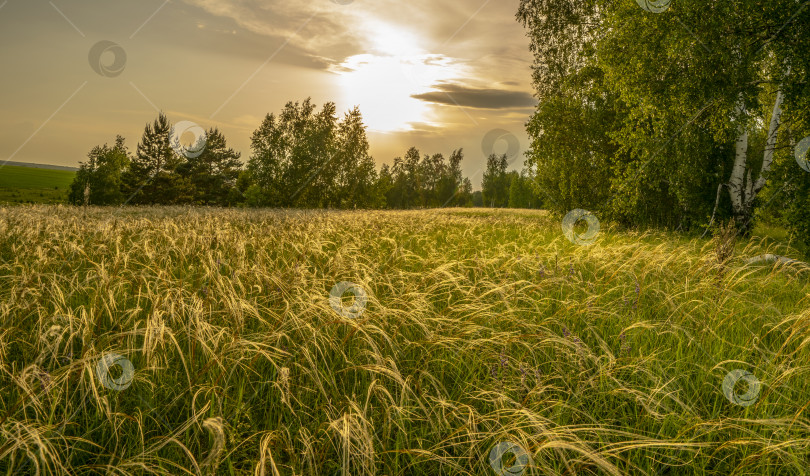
453, 94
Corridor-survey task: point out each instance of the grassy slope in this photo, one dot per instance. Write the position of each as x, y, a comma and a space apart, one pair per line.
33, 185
480, 328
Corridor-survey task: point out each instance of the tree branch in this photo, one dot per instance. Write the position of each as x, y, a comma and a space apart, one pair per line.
714, 212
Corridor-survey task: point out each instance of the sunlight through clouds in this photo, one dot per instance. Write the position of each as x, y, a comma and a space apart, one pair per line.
384, 86
384, 81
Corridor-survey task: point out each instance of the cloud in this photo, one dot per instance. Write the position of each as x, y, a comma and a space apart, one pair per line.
326, 33
304, 29
453, 94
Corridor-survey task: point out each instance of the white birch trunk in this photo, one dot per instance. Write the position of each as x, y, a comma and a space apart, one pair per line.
736, 182
748, 196
742, 188
770, 145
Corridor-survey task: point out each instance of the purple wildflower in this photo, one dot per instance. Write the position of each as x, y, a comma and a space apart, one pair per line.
44, 377
504, 360
624, 345
569, 335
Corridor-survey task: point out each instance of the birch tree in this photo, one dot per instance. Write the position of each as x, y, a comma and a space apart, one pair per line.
695, 87
742, 188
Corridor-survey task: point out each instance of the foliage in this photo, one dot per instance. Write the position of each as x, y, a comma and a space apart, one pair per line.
427, 181
355, 183
787, 201
153, 175
495, 185
294, 156
213, 174
639, 112
101, 176
521, 191
571, 153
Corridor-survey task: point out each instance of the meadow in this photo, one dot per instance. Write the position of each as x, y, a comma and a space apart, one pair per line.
33, 185
204, 341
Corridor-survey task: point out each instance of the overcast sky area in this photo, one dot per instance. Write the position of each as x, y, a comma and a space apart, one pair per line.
435, 74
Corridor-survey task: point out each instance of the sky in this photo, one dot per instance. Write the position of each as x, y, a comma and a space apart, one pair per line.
435, 74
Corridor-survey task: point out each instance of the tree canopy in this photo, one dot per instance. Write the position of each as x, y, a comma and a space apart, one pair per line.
647, 109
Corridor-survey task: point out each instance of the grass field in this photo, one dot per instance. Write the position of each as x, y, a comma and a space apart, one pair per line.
482, 330
33, 185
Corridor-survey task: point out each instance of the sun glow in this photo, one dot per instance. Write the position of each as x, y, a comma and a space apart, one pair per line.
382, 83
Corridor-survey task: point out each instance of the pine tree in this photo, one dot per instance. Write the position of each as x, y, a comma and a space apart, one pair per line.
213, 174
150, 172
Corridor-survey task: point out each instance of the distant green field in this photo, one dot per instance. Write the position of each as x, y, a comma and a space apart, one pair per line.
32, 185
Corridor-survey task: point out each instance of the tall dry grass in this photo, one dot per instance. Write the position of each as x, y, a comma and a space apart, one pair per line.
481, 327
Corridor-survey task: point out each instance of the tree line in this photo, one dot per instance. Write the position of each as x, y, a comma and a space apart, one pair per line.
301, 158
